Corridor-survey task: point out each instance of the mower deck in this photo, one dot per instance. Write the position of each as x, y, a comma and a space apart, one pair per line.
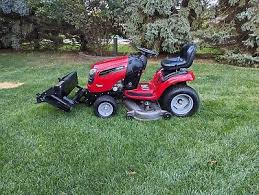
140, 111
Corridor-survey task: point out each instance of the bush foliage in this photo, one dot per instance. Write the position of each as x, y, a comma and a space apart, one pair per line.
239, 59
161, 25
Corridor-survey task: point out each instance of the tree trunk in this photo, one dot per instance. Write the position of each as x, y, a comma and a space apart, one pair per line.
83, 43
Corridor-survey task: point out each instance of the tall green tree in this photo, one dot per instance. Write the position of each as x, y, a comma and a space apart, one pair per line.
92, 21
163, 25
14, 23
243, 16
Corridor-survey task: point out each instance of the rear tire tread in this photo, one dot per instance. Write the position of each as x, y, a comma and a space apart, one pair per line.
173, 91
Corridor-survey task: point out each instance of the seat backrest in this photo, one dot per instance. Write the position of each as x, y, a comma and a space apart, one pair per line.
188, 53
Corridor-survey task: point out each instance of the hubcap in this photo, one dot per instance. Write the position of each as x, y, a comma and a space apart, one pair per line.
105, 109
182, 104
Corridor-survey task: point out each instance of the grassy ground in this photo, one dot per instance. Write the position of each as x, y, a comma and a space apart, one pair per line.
46, 151
210, 51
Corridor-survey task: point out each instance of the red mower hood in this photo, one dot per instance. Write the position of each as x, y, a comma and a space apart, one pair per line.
114, 62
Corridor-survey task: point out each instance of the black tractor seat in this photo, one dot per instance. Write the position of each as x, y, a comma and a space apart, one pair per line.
185, 59
172, 63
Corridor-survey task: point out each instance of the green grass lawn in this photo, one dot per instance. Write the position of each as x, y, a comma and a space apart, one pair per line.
46, 151
210, 51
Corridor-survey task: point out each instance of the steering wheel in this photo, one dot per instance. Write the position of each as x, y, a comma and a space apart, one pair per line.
147, 52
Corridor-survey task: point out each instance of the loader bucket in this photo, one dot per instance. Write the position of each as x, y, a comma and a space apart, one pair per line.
58, 95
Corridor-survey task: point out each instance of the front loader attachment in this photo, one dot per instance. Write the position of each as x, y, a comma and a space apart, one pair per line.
58, 95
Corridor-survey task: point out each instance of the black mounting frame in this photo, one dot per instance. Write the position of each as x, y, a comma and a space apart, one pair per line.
58, 95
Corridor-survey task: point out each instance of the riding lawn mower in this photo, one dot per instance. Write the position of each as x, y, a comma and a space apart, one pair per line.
118, 80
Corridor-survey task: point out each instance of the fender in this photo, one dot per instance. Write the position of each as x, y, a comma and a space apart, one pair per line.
157, 86
174, 80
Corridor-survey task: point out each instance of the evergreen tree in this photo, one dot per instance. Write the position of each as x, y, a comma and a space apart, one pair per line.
19, 7
163, 25
243, 16
13, 24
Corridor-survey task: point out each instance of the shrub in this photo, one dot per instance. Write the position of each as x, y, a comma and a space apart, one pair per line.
244, 60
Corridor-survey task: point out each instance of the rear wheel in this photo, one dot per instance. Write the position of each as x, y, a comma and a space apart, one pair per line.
181, 101
105, 106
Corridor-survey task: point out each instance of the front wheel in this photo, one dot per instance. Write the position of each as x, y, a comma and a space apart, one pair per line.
181, 101
105, 106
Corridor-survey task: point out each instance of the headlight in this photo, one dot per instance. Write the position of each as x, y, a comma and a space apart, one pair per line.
92, 73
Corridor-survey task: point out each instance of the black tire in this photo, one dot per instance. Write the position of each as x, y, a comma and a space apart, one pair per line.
100, 101
181, 91
167, 116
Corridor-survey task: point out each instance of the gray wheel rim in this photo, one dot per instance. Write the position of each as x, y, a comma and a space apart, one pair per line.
105, 109
182, 104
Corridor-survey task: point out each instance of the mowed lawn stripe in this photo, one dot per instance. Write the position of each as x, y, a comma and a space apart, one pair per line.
44, 150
